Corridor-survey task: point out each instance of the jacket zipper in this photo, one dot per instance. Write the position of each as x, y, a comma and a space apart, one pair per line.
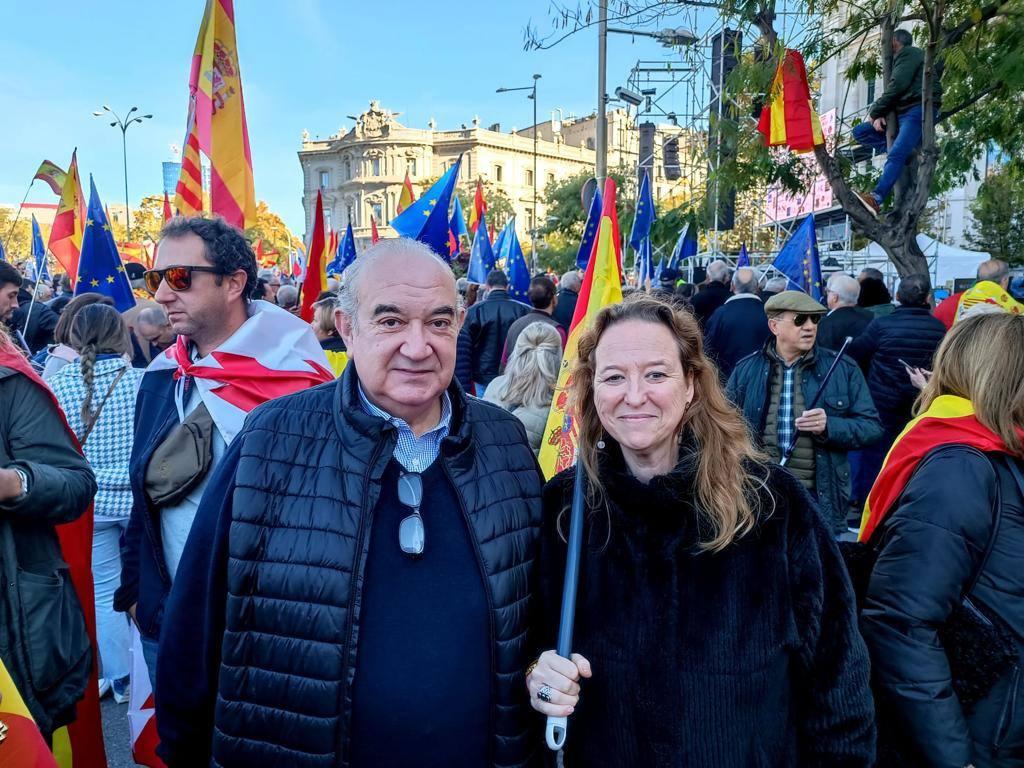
490, 604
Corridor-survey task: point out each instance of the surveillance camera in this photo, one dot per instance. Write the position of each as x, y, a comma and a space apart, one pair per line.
630, 97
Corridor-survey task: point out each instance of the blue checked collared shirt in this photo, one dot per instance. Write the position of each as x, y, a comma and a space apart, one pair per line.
785, 426
414, 453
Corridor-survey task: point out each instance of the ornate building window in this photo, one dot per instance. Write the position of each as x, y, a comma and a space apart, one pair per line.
346, 166
377, 211
497, 173
325, 179
529, 178
350, 218
410, 166
375, 166
551, 178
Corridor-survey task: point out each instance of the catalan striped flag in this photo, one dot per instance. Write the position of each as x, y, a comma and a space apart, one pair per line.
69, 222
601, 287
948, 420
789, 118
216, 124
316, 266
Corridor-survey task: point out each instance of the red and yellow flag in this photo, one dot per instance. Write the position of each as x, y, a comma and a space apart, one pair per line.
216, 124
374, 236
479, 207
949, 420
167, 209
789, 118
601, 287
23, 745
52, 174
316, 264
407, 197
69, 222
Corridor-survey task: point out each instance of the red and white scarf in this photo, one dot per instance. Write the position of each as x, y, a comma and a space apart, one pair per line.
272, 354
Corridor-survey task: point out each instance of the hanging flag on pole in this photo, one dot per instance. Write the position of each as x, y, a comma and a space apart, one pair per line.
426, 219
589, 239
69, 222
601, 287
789, 118
52, 174
407, 197
479, 207
316, 275
456, 229
798, 260
42, 269
743, 260
481, 256
167, 209
100, 269
374, 236
344, 255
686, 247
516, 267
217, 125
644, 216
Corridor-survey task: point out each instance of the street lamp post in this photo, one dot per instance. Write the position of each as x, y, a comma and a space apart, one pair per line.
123, 124
536, 212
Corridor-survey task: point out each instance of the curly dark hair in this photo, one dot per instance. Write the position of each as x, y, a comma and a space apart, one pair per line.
226, 246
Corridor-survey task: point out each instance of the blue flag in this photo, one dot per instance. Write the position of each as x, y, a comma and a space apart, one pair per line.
457, 227
516, 267
346, 253
589, 232
743, 260
3, 256
426, 219
39, 252
798, 260
686, 247
644, 262
644, 216
481, 257
499, 247
99, 267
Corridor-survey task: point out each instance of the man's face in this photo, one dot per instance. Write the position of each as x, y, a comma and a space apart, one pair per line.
198, 311
159, 335
8, 301
403, 337
273, 285
831, 299
793, 337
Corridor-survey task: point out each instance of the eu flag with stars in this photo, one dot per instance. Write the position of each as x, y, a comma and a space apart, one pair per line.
516, 267
99, 267
39, 252
426, 219
743, 260
589, 232
456, 229
798, 260
644, 216
686, 247
346, 253
481, 257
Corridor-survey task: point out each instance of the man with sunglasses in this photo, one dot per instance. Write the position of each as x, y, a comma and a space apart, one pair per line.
774, 387
364, 599
229, 355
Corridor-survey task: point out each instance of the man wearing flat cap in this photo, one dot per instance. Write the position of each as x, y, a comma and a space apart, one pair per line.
774, 388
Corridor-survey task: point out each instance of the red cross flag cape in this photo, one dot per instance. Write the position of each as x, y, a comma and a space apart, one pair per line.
949, 420
80, 744
274, 353
789, 118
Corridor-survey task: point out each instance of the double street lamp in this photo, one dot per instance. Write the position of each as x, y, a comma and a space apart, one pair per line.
533, 222
124, 124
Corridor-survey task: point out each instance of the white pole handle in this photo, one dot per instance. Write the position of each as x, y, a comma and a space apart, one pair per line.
555, 732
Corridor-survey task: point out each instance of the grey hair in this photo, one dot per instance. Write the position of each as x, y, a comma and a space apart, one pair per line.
571, 281
745, 280
718, 271
845, 287
287, 296
154, 316
776, 285
348, 293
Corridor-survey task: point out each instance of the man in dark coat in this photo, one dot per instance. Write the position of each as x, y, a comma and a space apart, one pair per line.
739, 326
487, 324
714, 293
543, 300
773, 388
844, 317
44, 482
36, 328
909, 335
363, 593
568, 293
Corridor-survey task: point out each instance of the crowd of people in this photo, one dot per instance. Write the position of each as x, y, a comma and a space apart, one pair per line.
802, 543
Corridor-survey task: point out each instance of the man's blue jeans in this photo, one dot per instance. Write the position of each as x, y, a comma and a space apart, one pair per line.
908, 137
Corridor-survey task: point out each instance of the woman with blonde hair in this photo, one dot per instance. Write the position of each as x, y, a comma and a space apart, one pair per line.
326, 333
715, 624
943, 611
526, 387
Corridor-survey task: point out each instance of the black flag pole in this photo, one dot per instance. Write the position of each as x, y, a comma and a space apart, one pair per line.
821, 390
558, 726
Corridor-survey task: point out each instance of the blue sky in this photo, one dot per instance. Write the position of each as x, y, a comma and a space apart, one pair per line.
306, 64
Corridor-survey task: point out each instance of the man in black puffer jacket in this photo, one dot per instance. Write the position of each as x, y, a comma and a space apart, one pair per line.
909, 334
363, 593
486, 327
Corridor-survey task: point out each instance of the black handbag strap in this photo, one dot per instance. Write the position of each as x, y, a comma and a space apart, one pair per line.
96, 416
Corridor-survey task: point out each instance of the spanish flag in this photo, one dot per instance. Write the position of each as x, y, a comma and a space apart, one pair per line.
316, 266
789, 119
407, 198
22, 744
949, 420
216, 124
479, 208
601, 287
52, 174
69, 222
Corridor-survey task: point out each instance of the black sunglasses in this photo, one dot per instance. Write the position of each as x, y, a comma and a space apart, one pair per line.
411, 534
801, 319
177, 278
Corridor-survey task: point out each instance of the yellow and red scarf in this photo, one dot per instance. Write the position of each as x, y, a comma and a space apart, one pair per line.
949, 420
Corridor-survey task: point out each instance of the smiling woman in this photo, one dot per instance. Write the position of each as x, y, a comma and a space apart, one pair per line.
709, 582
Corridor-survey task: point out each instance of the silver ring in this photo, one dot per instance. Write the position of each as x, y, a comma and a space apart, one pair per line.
544, 694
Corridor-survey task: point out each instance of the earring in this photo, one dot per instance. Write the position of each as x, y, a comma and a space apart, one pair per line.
600, 445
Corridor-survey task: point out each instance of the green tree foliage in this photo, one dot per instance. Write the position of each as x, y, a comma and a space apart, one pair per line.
999, 216
17, 243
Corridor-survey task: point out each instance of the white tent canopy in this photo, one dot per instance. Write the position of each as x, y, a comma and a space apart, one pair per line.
945, 262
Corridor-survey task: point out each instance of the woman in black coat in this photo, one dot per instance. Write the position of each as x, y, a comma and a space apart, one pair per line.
715, 623
949, 489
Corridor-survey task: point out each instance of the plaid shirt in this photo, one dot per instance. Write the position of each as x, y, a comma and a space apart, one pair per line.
413, 453
785, 428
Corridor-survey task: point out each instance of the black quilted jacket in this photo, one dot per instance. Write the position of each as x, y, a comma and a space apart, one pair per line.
261, 632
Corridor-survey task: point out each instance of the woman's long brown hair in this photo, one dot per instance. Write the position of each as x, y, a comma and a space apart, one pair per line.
727, 491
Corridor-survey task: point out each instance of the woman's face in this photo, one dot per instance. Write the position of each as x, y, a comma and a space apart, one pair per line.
640, 389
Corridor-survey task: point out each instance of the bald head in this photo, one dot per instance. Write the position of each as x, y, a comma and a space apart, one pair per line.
995, 271
746, 280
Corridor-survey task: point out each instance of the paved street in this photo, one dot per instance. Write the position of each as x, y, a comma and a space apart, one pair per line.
115, 734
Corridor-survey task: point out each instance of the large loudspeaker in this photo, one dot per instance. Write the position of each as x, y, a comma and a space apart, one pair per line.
725, 50
646, 160
670, 158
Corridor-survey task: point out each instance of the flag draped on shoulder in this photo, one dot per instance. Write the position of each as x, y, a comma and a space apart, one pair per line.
789, 118
799, 261
217, 125
69, 222
948, 420
601, 287
316, 265
100, 269
426, 219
